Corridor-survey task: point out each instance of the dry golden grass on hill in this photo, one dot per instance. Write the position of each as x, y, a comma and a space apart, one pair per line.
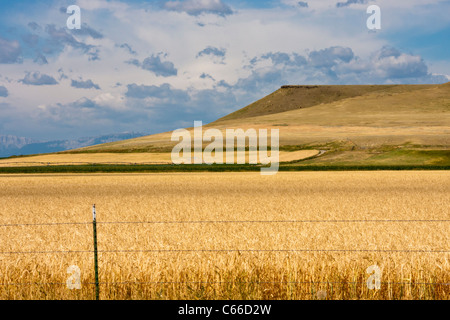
289, 98
313, 196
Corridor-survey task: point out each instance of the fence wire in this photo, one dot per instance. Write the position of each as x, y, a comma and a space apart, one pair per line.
223, 282
222, 222
231, 250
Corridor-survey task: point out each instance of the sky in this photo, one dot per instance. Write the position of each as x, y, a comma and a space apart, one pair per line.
156, 66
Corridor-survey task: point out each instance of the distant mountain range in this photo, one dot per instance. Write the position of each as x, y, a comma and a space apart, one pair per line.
13, 145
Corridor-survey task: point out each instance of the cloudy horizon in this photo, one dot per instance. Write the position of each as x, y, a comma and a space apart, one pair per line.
155, 66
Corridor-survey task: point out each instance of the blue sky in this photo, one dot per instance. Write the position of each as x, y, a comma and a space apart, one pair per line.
154, 66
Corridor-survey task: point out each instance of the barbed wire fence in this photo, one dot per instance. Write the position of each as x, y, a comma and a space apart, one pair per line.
95, 250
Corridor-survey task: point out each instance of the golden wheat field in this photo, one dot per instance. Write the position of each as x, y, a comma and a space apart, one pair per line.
133, 158
302, 235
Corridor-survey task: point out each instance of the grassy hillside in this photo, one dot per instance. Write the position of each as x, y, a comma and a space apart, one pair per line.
289, 98
352, 125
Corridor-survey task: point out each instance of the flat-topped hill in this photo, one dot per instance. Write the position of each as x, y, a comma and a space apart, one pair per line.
294, 97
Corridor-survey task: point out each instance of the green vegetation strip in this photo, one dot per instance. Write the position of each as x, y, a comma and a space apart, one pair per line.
202, 168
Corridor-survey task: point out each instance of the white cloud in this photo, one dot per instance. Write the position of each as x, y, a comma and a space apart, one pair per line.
111, 100
10, 51
197, 7
102, 4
